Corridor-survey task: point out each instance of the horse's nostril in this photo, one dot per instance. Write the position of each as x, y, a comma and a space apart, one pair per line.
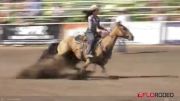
132, 38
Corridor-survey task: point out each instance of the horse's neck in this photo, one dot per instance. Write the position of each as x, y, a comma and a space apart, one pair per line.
110, 40
107, 46
113, 32
112, 37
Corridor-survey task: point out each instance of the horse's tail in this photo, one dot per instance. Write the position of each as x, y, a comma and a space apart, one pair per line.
50, 52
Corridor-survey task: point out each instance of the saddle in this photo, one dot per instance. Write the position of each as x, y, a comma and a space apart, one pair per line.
81, 38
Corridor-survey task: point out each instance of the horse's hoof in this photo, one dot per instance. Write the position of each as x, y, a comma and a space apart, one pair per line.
103, 71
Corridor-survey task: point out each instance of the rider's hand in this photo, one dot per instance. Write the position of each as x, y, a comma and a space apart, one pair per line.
106, 30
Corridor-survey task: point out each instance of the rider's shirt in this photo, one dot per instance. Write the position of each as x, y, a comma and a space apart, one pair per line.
93, 23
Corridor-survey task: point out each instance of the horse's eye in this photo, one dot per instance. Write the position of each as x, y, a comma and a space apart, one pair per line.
124, 28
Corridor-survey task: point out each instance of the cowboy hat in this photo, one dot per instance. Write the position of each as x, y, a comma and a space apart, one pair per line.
93, 7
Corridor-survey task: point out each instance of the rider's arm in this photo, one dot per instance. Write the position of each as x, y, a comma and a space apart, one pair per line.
90, 22
100, 27
91, 26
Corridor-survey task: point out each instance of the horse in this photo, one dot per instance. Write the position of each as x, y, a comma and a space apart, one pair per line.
75, 51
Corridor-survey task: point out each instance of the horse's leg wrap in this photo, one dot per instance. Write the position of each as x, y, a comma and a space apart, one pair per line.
104, 71
94, 68
85, 65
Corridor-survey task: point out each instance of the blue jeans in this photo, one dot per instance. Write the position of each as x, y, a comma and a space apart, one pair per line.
91, 41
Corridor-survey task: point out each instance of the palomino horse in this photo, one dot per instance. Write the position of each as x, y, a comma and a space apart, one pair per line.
102, 51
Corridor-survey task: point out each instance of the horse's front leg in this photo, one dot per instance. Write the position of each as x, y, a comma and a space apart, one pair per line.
83, 69
104, 71
94, 67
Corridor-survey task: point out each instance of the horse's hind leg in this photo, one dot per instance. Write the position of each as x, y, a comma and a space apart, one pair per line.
62, 48
50, 52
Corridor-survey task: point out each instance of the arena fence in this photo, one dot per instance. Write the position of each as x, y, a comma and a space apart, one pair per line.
160, 32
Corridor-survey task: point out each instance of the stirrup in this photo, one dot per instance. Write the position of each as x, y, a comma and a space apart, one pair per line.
89, 55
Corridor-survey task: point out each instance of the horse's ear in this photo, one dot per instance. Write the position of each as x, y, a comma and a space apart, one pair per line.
118, 23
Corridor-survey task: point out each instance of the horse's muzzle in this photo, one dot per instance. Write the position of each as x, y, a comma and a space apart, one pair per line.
131, 38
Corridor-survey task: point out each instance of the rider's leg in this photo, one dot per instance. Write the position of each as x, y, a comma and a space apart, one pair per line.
94, 44
91, 39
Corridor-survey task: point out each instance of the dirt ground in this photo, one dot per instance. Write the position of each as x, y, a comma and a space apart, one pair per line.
141, 69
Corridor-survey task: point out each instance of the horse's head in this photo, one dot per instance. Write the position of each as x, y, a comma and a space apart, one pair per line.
123, 32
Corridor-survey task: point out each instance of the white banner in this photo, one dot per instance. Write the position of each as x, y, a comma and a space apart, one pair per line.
173, 31
145, 32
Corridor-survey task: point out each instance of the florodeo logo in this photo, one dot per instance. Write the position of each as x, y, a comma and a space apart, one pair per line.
154, 95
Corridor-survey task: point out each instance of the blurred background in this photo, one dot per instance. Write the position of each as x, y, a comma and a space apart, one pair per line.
45, 21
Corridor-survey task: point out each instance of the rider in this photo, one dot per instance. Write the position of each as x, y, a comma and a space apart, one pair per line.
93, 24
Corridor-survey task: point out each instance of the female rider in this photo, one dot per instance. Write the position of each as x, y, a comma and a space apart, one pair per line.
93, 25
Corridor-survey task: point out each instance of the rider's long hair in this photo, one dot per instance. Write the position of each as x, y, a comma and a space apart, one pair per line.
88, 13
